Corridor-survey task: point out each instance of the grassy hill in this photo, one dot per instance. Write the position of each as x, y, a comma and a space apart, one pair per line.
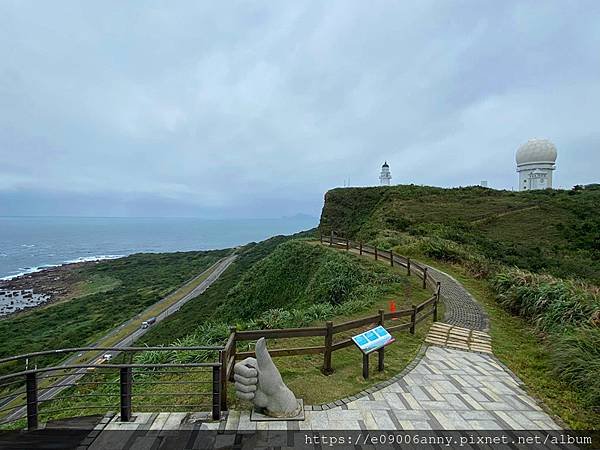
534, 254
544, 231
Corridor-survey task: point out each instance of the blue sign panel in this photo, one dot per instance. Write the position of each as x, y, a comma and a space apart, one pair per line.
373, 339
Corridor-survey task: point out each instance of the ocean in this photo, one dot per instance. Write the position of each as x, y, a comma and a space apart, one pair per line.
29, 244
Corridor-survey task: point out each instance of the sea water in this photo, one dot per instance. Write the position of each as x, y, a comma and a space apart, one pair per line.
29, 244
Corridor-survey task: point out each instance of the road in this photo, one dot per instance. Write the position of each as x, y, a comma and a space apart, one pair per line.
217, 269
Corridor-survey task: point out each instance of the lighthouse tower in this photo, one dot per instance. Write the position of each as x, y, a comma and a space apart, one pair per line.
385, 177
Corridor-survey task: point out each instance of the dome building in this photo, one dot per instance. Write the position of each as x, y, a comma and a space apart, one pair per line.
535, 163
385, 177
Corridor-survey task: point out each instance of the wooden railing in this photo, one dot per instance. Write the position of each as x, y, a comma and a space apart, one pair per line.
415, 315
412, 267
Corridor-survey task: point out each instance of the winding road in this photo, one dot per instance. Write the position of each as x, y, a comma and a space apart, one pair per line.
50, 392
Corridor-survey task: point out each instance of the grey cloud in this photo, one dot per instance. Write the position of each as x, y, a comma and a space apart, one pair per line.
256, 109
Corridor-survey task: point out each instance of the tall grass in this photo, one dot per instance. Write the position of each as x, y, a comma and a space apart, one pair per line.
576, 357
569, 311
551, 303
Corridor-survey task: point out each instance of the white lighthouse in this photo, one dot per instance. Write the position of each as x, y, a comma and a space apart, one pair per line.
535, 163
385, 177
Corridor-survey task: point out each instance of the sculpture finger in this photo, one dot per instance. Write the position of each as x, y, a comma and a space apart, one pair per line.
247, 388
248, 381
245, 395
266, 367
246, 368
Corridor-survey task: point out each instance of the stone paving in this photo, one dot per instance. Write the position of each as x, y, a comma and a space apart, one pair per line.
462, 309
448, 389
443, 389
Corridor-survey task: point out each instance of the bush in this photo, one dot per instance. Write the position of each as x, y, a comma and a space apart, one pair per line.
576, 357
552, 303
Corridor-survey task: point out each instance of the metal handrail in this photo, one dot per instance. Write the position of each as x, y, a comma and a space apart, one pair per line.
106, 366
120, 349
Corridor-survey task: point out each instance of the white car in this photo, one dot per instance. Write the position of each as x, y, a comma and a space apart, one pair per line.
107, 357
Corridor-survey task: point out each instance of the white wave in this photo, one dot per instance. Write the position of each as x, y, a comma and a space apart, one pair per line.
30, 270
93, 258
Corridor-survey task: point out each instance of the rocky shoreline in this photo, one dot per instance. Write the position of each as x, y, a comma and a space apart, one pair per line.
39, 288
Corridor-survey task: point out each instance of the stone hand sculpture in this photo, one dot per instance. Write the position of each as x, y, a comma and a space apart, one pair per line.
259, 381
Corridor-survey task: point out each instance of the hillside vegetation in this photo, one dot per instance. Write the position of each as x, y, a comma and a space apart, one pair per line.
537, 252
296, 283
141, 280
543, 231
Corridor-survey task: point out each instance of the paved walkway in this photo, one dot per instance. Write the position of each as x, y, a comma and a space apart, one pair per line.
462, 309
448, 389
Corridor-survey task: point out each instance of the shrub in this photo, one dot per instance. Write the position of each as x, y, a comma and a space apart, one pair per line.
550, 302
576, 357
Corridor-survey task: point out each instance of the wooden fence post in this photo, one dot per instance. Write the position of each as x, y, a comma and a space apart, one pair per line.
360, 248
413, 319
381, 351
391, 258
424, 277
375, 253
437, 299
347, 245
331, 239
327, 369
408, 266
321, 236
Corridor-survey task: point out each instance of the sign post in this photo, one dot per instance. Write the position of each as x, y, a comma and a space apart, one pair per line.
372, 340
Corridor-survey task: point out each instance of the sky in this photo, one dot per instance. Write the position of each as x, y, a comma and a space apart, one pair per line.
256, 109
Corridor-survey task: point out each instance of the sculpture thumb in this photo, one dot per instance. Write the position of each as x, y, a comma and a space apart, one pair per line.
266, 367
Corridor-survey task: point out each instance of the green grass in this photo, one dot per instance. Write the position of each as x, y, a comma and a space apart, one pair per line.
202, 308
553, 231
275, 283
301, 373
141, 280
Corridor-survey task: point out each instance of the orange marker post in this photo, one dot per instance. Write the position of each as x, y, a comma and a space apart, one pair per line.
393, 308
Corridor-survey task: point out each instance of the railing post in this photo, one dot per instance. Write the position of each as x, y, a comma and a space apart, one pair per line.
223, 379
216, 392
437, 299
408, 266
32, 401
375, 253
381, 351
331, 239
327, 369
391, 258
360, 248
413, 319
321, 236
233, 351
347, 244
125, 384
424, 277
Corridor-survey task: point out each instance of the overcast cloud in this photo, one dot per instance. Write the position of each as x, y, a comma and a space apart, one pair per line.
254, 109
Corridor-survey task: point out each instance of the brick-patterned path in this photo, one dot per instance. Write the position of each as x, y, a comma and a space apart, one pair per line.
447, 389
